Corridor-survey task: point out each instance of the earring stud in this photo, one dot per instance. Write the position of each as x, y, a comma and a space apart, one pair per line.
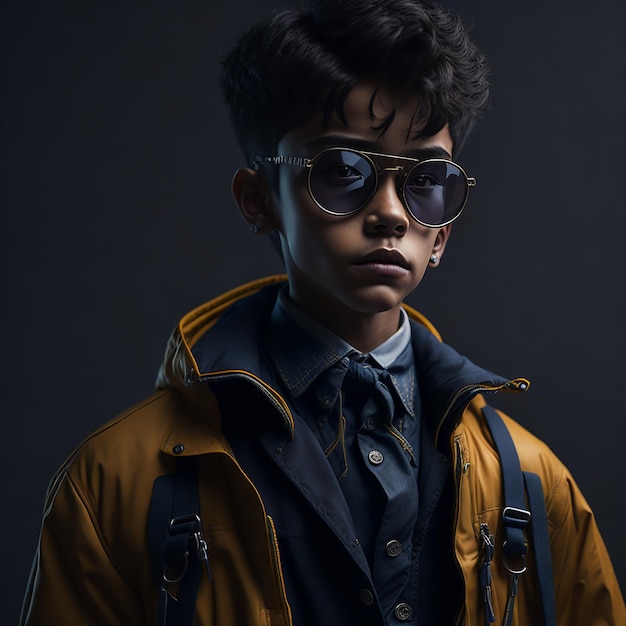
255, 228
434, 259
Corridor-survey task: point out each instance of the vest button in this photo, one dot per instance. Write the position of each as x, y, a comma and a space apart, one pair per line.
393, 547
403, 612
376, 457
367, 597
369, 424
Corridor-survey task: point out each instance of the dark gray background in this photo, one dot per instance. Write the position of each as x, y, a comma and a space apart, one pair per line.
117, 218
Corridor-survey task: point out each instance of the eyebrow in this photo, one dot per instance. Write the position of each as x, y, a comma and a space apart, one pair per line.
345, 141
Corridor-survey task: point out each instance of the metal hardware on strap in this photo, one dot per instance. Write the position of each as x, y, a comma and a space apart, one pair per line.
191, 527
485, 573
516, 517
515, 514
176, 543
515, 546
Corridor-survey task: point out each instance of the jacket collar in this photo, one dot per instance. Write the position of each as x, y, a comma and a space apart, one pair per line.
221, 340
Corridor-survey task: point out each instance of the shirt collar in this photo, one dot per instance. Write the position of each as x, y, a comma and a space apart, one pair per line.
300, 357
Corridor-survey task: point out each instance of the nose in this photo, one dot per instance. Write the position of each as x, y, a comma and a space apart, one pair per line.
385, 214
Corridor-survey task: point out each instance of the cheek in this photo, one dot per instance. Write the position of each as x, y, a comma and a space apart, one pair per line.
422, 239
316, 241
288, 204
302, 223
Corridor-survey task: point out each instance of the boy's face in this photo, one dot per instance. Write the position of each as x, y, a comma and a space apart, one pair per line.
347, 269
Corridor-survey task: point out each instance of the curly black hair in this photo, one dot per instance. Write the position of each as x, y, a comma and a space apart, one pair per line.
301, 62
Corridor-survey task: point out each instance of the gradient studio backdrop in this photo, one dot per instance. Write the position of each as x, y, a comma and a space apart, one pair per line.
117, 218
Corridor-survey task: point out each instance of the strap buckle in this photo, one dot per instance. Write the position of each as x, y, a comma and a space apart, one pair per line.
518, 518
185, 535
515, 547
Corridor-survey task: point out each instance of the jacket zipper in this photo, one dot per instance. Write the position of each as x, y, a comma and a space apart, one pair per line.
278, 566
461, 467
485, 572
517, 384
457, 477
271, 535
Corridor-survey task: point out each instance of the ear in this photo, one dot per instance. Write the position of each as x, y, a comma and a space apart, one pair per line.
440, 245
253, 196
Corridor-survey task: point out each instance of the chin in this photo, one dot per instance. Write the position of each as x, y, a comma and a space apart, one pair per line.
371, 303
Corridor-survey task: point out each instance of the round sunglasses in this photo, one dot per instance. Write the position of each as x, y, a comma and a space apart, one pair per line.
342, 181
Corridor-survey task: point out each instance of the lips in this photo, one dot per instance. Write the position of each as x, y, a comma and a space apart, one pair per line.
384, 257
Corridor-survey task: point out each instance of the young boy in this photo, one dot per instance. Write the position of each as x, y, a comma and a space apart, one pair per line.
314, 453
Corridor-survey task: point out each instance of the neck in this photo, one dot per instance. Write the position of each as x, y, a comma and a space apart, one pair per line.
363, 330
367, 332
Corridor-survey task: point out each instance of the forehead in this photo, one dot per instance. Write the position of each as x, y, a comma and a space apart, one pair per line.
371, 118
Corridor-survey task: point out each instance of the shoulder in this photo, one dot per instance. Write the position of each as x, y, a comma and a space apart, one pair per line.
109, 478
124, 456
532, 451
133, 434
560, 490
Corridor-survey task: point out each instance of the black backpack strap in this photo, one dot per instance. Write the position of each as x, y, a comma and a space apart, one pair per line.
516, 516
177, 546
541, 543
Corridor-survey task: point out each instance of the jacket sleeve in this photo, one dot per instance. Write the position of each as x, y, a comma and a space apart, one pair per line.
74, 580
586, 588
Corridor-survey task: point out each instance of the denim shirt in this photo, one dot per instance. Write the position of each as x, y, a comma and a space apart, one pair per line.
371, 445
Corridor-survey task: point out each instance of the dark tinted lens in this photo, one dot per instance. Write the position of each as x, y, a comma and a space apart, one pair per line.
435, 192
342, 181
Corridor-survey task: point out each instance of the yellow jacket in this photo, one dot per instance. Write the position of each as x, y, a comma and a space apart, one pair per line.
92, 565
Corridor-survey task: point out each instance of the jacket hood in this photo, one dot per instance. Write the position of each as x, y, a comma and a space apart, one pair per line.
197, 351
